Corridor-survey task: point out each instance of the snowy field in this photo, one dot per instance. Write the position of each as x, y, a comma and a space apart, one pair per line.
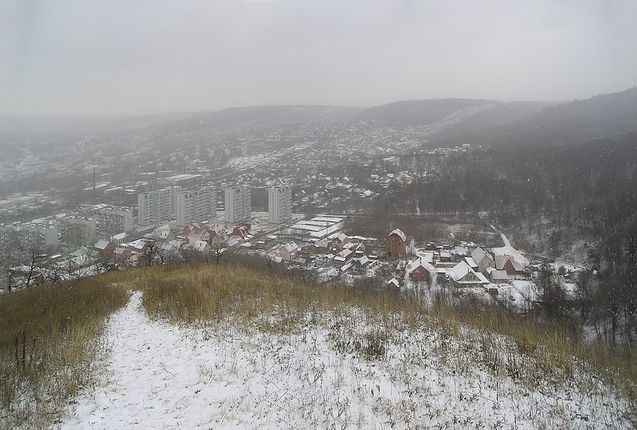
330, 373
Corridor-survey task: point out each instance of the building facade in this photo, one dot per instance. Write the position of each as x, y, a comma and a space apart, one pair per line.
78, 231
396, 244
156, 206
238, 203
280, 204
30, 237
195, 205
113, 220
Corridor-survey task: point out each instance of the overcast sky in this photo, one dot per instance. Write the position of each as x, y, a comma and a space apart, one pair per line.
147, 56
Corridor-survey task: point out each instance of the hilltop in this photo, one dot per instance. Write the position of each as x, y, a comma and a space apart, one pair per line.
225, 346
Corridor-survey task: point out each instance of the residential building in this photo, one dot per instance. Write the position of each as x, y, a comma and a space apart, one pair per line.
195, 205
156, 206
78, 231
238, 203
464, 276
113, 220
420, 271
396, 244
289, 251
280, 204
30, 237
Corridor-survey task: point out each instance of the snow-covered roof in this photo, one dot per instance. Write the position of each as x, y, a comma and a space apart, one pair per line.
459, 271
471, 262
394, 282
478, 254
498, 275
399, 233
420, 262
501, 260
291, 246
101, 244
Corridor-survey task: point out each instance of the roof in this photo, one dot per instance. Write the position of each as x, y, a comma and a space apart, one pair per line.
420, 262
102, 244
498, 274
394, 282
459, 271
471, 262
478, 254
398, 232
501, 261
291, 246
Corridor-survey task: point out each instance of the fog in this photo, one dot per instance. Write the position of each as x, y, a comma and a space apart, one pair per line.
64, 57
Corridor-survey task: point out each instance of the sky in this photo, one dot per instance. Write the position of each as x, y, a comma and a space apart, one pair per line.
91, 57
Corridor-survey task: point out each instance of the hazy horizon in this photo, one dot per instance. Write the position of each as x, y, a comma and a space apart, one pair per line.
137, 57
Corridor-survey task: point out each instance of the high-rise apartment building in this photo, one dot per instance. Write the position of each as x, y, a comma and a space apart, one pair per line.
238, 203
198, 204
280, 204
156, 206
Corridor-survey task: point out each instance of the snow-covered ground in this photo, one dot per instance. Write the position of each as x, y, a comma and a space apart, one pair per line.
162, 376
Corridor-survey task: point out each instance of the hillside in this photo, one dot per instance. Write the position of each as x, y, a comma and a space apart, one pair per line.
573, 122
223, 346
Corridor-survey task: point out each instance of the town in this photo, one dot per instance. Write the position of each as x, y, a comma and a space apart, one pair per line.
207, 223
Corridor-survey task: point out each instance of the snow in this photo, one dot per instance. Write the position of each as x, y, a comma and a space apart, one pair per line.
219, 376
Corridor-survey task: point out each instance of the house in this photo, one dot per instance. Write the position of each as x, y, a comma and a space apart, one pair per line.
105, 247
510, 265
482, 259
118, 239
497, 276
201, 246
396, 244
420, 271
342, 239
122, 254
393, 284
464, 276
162, 233
289, 251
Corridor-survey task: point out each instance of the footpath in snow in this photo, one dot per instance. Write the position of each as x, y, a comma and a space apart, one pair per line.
161, 376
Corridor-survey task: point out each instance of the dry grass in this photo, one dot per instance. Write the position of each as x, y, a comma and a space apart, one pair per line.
49, 337
542, 352
67, 320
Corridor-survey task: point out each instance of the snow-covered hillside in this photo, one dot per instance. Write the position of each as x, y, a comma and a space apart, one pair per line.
337, 371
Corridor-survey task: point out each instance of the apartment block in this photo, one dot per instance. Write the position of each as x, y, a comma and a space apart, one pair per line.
197, 204
30, 237
156, 206
114, 220
280, 204
78, 231
238, 203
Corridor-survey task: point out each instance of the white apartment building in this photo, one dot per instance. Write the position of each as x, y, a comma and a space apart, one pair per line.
238, 203
114, 220
78, 231
198, 204
280, 204
30, 237
156, 206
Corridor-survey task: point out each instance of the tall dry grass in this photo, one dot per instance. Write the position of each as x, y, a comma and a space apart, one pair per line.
49, 338
190, 294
